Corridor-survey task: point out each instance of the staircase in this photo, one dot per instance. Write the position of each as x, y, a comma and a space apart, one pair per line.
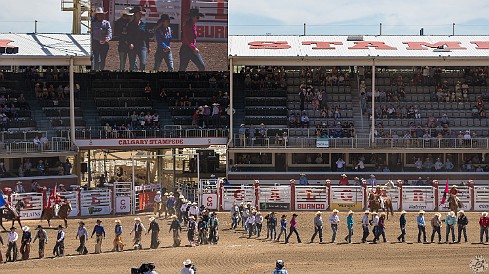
239, 106
359, 120
43, 123
164, 111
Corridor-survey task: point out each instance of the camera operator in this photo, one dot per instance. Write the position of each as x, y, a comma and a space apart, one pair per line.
189, 267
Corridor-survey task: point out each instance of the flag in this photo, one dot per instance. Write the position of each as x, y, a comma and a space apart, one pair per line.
444, 199
2, 201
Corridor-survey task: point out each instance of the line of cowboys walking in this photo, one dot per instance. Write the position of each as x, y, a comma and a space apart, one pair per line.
202, 227
252, 222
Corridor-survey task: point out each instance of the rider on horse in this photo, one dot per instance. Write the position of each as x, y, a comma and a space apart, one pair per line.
55, 202
378, 194
453, 195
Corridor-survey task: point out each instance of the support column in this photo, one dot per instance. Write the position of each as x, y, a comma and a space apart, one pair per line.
373, 105
399, 184
72, 102
257, 194
89, 169
292, 194
437, 196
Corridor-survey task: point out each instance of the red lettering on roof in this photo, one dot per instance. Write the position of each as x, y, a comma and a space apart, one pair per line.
269, 45
5, 43
321, 45
426, 45
481, 44
371, 44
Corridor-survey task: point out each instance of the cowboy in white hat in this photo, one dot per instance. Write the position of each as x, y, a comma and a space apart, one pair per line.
450, 221
188, 267
157, 204
318, 227
462, 222
176, 228
101, 35
138, 229
484, 227
194, 210
421, 226
334, 220
154, 227
375, 223
365, 225
344, 180
402, 225
349, 224
454, 196
120, 31
19, 188
191, 230
436, 225
25, 246
118, 244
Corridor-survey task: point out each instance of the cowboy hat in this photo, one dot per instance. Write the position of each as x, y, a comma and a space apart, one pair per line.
215, 104
421, 212
367, 212
382, 214
403, 212
13, 228
138, 9
335, 210
25, 229
374, 213
137, 219
60, 227
181, 196
117, 221
165, 17
187, 262
350, 212
484, 214
99, 10
171, 193
19, 182
166, 194
158, 192
81, 222
295, 215
39, 227
192, 217
454, 186
61, 185
371, 175
452, 214
174, 216
151, 219
343, 175
461, 212
242, 125
127, 11
195, 12
438, 214
194, 203
99, 221
318, 213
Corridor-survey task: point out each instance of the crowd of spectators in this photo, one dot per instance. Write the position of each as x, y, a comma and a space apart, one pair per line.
262, 77
335, 130
10, 107
41, 167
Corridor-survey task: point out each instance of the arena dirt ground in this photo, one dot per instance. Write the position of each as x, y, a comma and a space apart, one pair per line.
237, 254
214, 55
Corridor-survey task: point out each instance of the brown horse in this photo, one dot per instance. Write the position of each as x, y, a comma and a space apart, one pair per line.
64, 211
454, 204
374, 204
9, 214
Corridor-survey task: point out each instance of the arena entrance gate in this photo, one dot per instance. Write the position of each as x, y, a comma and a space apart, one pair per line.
236, 194
347, 197
95, 202
274, 198
481, 198
189, 189
124, 198
208, 193
311, 197
416, 198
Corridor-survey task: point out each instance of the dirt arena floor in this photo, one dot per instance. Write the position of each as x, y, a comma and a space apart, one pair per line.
237, 254
213, 54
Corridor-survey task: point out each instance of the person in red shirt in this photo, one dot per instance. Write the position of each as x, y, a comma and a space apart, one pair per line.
484, 223
453, 195
379, 193
344, 180
188, 50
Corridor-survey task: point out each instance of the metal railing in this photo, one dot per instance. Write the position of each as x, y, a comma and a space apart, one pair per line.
30, 147
101, 133
6, 136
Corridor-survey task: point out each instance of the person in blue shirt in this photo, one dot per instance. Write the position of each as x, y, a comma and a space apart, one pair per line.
349, 224
283, 227
99, 231
280, 268
402, 225
421, 226
163, 34
303, 179
101, 33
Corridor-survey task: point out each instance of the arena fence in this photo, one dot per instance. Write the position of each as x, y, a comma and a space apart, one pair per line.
119, 199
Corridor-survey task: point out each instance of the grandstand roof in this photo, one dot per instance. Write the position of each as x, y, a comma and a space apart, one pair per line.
359, 50
44, 49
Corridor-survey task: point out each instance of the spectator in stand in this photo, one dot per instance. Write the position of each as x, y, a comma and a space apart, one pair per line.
262, 134
147, 91
163, 33
319, 159
340, 164
303, 179
302, 97
372, 181
438, 165
37, 143
428, 165
41, 168
101, 35
188, 50
344, 180
242, 134
292, 121
419, 182
304, 120
44, 142
251, 134
448, 165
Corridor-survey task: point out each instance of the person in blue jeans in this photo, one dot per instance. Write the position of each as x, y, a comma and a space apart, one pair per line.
163, 33
283, 227
334, 219
421, 226
349, 224
138, 40
101, 35
188, 50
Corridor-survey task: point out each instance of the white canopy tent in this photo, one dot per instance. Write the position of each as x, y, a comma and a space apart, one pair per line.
37, 49
356, 50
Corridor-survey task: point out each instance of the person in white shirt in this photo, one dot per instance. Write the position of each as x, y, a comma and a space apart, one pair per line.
188, 267
375, 223
250, 222
365, 226
37, 143
258, 223
19, 188
12, 249
334, 219
44, 142
438, 165
157, 204
340, 164
194, 210
59, 248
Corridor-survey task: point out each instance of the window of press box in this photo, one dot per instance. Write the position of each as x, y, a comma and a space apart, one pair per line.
310, 158
253, 158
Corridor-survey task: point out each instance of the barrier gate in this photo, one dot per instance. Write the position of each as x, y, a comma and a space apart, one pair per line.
463, 195
392, 192
416, 198
124, 200
208, 193
189, 189
274, 197
95, 202
33, 205
311, 198
481, 198
238, 194
346, 197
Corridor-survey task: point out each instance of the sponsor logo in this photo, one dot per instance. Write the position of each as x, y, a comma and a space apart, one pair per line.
311, 206
478, 264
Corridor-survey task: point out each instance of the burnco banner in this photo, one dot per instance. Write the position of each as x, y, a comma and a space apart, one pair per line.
159, 35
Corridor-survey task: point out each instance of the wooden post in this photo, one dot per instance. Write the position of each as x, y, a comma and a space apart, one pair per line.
328, 186
292, 194
257, 194
437, 198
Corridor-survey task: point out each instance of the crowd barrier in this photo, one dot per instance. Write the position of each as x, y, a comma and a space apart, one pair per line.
119, 199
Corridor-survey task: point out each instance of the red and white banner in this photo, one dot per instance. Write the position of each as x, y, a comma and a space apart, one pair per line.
346, 197
210, 200
481, 198
311, 198
274, 197
415, 198
150, 142
95, 202
237, 194
32, 205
